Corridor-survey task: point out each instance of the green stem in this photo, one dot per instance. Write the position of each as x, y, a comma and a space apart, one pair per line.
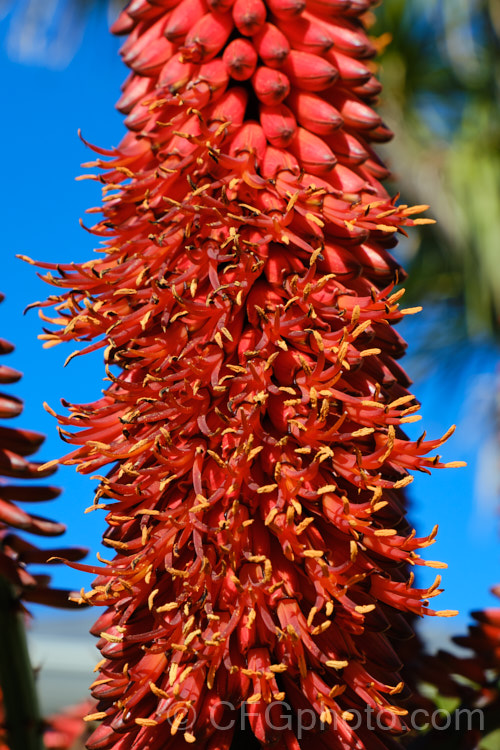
22, 716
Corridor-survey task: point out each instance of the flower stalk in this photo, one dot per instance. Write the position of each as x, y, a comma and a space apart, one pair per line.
22, 721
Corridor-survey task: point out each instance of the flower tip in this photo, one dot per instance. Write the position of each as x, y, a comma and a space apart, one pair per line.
455, 464
97, 716
447, 612
26, 259
418, 209
77, 600
382, 42
71, 356
31, 306
49, 409
411, 310
85, 142
47, 466
95, 506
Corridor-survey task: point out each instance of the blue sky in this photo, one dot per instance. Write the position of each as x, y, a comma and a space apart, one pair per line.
42, 204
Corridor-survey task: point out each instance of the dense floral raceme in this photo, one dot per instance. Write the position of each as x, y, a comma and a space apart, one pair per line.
16, 553
253, 421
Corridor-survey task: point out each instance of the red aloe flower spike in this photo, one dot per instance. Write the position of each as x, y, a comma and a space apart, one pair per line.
253, 425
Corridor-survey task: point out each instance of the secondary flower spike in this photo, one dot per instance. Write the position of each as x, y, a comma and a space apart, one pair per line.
473, 680
16, 553
252, 428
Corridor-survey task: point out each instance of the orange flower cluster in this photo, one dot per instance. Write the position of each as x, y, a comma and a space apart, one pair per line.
16, 445
253, 424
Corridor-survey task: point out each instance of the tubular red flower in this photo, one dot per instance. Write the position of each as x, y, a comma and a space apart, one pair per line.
253, 424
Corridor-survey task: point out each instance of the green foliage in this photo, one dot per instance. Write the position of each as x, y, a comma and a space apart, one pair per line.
441, 76
491, 741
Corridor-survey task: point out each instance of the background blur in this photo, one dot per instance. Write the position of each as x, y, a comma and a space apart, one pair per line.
60, 71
